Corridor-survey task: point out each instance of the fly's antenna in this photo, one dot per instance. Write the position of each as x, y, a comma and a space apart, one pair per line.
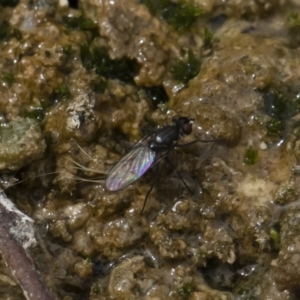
80, 167
83, 151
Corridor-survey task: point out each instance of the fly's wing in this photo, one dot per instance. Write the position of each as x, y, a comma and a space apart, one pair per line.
131, 166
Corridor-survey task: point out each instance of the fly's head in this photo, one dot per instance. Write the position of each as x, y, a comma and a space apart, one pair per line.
183, 124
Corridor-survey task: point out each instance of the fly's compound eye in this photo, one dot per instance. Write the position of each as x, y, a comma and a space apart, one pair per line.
175, 119
186, 128
183, 124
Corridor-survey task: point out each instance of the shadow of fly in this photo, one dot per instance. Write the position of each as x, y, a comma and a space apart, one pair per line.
147, 152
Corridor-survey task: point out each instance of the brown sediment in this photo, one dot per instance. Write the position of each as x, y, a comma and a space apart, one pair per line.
81, 80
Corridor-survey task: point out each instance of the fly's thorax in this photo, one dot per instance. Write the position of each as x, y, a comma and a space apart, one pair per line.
164, 138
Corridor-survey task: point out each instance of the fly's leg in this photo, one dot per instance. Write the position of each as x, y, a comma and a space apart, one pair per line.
157, 169
178, 174
196, 141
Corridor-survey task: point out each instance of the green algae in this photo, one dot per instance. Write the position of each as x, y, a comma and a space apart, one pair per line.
7, 31
185, 70
8, 78
97, 58
186, 290
79, 22
181, 15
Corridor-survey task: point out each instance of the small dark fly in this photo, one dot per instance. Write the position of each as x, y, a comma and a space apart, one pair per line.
146, 153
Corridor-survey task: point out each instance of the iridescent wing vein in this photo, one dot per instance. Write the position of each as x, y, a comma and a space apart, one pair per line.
131, 166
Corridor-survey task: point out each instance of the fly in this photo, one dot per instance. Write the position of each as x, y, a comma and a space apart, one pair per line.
147, 153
